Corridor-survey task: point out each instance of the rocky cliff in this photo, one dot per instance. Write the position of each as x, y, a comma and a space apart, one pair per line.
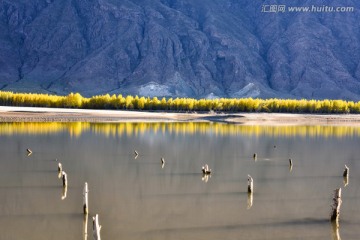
192, 48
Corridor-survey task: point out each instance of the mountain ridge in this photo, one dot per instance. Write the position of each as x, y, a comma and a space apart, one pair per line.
222, 48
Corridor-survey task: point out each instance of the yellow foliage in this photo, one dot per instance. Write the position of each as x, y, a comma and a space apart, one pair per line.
75, 100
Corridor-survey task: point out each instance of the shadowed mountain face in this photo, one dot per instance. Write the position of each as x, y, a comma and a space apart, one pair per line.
208, 48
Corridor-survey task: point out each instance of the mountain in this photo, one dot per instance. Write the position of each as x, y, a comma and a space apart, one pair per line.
181, 48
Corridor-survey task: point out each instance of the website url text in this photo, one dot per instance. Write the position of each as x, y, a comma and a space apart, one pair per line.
311, 9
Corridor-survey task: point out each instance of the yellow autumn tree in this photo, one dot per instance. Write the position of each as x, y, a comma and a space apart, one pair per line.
73, 100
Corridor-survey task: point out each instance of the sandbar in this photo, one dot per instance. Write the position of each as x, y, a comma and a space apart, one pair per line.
37, 114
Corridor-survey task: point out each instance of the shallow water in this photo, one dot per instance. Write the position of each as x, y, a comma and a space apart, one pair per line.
138, 199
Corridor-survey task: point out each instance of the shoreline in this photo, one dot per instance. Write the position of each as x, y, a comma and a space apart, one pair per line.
37, 114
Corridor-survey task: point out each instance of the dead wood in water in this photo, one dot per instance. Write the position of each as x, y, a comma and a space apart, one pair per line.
335, 212
64, 178
85, 199
250, 184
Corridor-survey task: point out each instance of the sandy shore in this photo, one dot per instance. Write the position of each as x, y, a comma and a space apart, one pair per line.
31, 114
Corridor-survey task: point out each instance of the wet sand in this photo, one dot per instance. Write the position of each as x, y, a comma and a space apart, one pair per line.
33, 114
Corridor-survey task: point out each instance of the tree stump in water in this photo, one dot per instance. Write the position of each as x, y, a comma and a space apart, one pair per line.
64, 179
59, 170
136, 154
85, 199
335, 212
346, 171
250, 184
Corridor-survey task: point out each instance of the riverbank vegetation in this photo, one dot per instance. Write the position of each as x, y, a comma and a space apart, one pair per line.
75, 100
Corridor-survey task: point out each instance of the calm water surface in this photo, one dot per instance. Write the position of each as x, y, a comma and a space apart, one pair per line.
139, 199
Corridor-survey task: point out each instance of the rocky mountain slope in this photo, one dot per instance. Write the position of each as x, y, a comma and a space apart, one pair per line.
193, 48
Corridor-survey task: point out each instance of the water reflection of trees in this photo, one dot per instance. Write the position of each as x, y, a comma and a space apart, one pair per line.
179, 128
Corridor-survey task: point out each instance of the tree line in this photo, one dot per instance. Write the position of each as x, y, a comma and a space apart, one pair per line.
107, 101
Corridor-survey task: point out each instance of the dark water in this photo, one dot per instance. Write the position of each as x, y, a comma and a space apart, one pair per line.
138, 199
